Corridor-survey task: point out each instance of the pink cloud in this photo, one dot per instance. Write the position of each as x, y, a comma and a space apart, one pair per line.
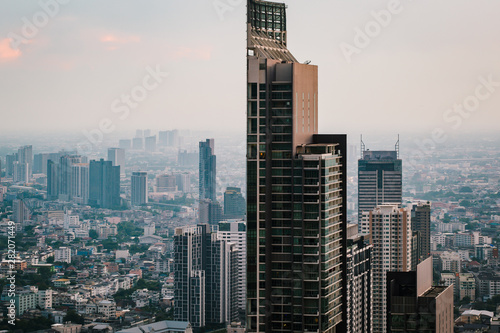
7, 52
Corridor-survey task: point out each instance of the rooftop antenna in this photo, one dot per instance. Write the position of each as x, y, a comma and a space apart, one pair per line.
362, 147
397, 146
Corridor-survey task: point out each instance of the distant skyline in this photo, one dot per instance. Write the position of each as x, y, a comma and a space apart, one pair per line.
67, 77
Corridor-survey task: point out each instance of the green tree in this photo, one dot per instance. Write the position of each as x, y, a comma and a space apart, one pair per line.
74, 317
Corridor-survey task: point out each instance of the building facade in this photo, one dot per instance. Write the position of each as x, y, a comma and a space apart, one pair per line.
380, 179
296, 204
207, 168
139, 190
390, 230
234, 203
104, 184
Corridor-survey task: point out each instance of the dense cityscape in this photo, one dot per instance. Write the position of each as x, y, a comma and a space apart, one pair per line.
276, 229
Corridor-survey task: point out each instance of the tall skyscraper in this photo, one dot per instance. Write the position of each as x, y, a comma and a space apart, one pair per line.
380, 179
52, 180
21, 211
138, 143
204, 268
139, 192
415, 305
296, 189
390, 230
65, 175
104, 188
117, 158
207, 170
236, 232
421, 223
359, 282
234, 203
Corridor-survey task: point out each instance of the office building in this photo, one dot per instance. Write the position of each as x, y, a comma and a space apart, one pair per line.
104, 185
21, 172
390, 230
139, 193
296, 189
166, 183
138, 143
52, 180
421, 223
125, 144
183, 182
210, 212
139, 133
150, 144
207, 170
380, 179
187, 159
359, 281
40, 163
234, 204
168, 138
414, 305
236, 232
204, 268
117, 158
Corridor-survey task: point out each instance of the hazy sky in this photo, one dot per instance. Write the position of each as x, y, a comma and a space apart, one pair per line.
71, 72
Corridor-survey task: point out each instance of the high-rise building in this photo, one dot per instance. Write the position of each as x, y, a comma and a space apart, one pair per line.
9, 164
40, 162
359, 282
21, 172
390, 230
138, 143
21, 212
234, 203
210, 212
204, 268
414, 305
183, 182
380, 179
79, 188
236, 232
139, 193
421, 223
139, 133
125, 144
66, 176
104, 188
150, 144
117, 158
52, 180
25, 159
296, 189
166, 183
207, 170
187, 159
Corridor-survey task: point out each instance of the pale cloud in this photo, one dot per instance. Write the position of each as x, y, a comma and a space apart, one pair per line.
182, 52
7, 52
111, 38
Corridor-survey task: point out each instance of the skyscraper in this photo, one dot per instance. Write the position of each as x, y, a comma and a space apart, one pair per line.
207, 169
359, 282
52, 180
204, 268
380, 179
234, 203
296, 189
236, 232
117, 158
210, 212
390, 230
65, 175
104, 188
9, 164
139, 192
421, 223
79, 189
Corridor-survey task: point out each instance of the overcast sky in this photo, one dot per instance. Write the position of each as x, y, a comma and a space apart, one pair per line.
68, 74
